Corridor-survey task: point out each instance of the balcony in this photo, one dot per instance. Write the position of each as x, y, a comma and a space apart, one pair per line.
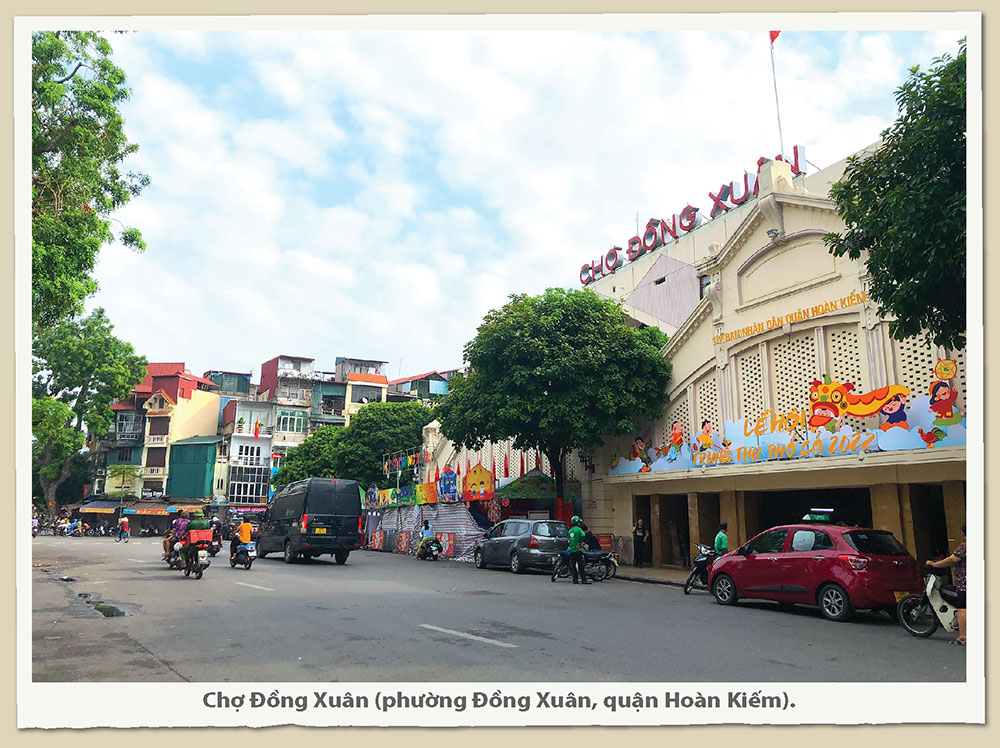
151, 471
157, 439
250, 461
129, 437
248, 430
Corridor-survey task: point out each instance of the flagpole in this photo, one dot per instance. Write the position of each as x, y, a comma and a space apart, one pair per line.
774, 77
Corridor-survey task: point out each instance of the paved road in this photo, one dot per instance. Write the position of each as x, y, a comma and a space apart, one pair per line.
388, 617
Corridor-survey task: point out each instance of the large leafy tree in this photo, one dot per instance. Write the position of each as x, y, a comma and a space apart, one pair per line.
313, 458
79, 368
905, 206
78, 145
80, 474
357, 451
556, 372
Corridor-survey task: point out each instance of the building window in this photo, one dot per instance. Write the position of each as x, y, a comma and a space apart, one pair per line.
159, 426
290, 393
292, 420
125, 454
333, 404
249, 454
156, 457
248, 485
362, 394
704, 282
219, 484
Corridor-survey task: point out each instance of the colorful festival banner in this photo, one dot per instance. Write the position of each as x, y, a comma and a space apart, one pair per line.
817, 430
378, 538
447, 543
403, 542
478, 484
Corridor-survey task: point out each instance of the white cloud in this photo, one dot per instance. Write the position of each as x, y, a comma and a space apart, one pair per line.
407, 183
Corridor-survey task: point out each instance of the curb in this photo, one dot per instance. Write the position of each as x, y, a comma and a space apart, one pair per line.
647, 580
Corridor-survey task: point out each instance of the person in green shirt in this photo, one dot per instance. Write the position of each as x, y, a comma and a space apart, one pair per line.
721, 541
577, 563
198, 522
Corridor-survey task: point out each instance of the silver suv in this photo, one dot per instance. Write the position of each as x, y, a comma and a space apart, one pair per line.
522, 543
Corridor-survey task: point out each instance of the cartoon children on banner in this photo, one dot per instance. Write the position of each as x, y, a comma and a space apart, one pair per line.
943, 395
672, 449
639, 452
895, 413
704, 441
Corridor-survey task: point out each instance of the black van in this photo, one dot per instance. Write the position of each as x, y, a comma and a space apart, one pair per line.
312, 517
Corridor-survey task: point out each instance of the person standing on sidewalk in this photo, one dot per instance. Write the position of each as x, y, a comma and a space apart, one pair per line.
577, 563
721, 541
639, 537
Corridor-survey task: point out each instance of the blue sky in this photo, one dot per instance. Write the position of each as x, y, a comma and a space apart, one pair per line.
373, 194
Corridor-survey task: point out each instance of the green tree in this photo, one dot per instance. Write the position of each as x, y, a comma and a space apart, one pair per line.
78, 145
357, 451
905, 206
376, 430
313, 458
556, 372
121, 478
80, 474
79, 369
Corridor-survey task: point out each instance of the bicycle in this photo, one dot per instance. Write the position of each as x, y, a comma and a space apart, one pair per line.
122, 535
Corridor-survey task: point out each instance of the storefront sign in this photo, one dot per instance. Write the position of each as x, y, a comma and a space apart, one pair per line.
152, 493
658, 231
797, 315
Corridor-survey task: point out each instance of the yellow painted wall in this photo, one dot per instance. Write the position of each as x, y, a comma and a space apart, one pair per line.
198, 416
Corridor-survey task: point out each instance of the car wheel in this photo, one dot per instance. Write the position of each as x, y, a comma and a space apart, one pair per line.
515, 563
341, 557
289, 555
834, 603
724, 590
480, 561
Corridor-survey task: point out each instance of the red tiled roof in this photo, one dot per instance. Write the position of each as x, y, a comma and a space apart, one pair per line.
418, 376
191, 377
166, 397
158, 370
126, 405
373, 378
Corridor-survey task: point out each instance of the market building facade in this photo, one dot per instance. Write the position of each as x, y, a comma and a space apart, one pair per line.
787, 392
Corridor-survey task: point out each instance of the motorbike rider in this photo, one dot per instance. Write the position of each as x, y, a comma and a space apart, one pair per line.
198, 522
577, 563
243, 534
955, 596
426, 533
179, 523
122, 526
589, 539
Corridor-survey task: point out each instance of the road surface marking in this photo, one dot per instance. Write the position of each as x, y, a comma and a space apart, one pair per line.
466, 636
256, 587
138, 560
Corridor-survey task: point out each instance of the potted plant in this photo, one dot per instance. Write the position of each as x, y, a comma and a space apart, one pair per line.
239, 425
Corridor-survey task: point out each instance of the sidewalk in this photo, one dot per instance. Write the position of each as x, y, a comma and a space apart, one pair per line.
673, 575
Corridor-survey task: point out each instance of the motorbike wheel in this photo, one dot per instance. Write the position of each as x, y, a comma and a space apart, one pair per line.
247, 565
212, 553
917, 616
187, 571
613, 567
232, 563
600, 572
689, 584
197, 574
126, 538
118, 538
556, 571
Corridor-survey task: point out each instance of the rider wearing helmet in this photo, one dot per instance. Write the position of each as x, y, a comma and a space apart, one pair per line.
198, 522
243, 534
577, 564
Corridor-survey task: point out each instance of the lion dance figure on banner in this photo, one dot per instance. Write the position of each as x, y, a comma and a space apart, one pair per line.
832, 401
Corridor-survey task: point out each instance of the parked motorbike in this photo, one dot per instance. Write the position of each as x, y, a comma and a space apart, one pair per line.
921, 614
699, 571
598, 565
198, 542
429, 549
246, 553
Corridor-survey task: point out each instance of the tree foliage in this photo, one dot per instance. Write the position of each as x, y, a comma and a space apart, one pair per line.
313, 458
79, 368
78, 145
556, 372
121, 478
905, 206
356, 452
81, 472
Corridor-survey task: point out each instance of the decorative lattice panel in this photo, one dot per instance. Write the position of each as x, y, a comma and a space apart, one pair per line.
914, 361
844, 361
678, 410
707, 401
794, 365
751, 384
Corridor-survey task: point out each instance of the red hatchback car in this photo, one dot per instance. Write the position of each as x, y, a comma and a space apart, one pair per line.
840, 569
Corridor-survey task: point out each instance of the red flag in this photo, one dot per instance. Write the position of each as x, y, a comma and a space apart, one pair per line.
522, 463
506, 465
538, 459
468, 466
256, 429
774, 35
